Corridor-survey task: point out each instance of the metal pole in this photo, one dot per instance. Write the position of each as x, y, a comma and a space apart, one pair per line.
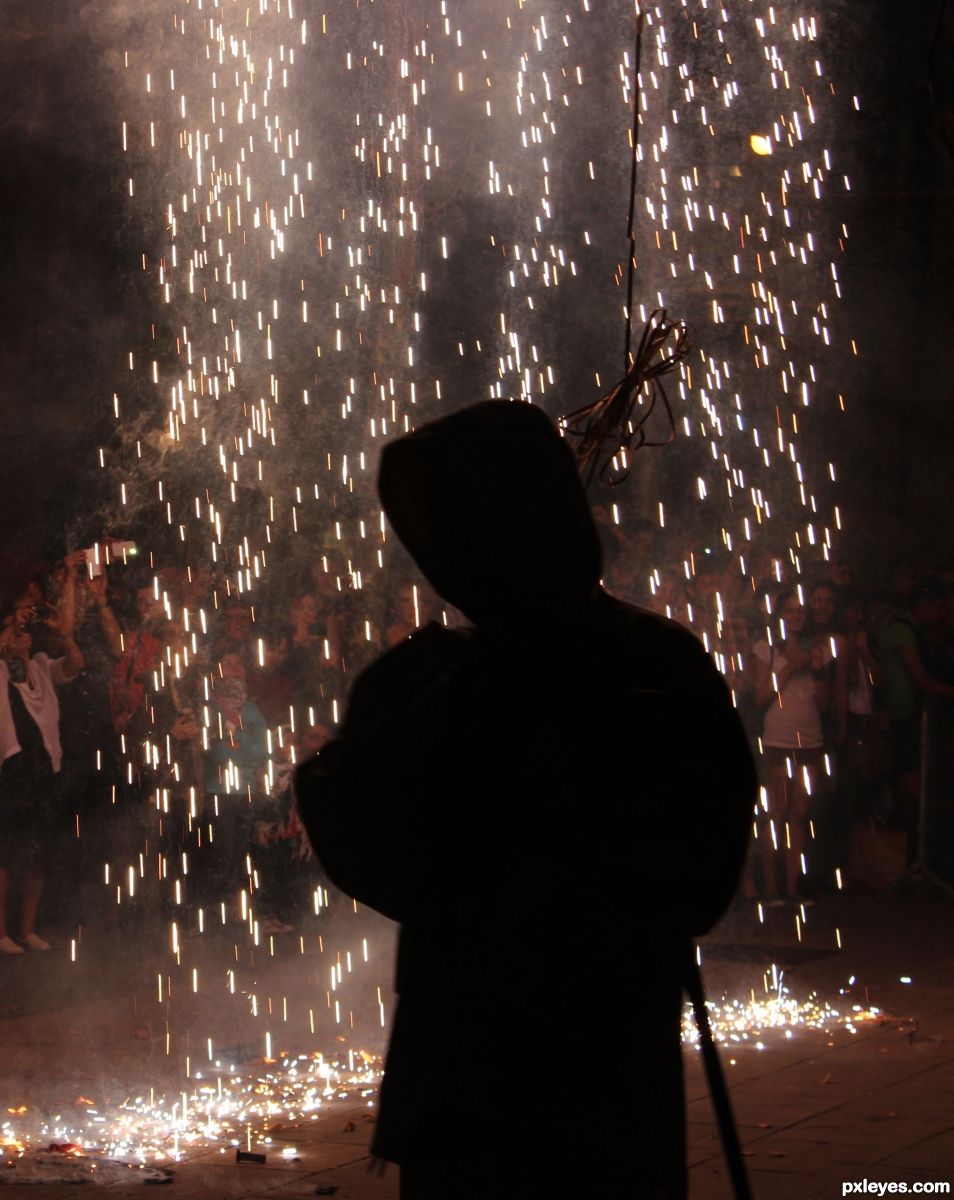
717, 1085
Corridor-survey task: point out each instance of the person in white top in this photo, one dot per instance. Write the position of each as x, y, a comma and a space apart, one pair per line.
791, 689
30, 760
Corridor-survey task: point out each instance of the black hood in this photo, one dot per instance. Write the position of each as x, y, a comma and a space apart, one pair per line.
489, 503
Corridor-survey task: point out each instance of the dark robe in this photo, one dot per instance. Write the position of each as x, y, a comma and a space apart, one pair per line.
552, 805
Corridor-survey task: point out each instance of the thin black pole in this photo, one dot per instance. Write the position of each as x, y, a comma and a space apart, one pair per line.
720, 1093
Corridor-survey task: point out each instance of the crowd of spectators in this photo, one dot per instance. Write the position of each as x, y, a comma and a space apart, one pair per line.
172, 711
151, 717
831, 676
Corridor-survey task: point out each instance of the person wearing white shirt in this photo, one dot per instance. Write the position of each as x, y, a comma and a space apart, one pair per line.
791, 689
30, 761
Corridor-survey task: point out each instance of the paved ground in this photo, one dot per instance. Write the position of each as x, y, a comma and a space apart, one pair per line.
822, 1109
816, 1109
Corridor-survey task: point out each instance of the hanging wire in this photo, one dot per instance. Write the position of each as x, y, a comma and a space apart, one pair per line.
631, 222
619, 418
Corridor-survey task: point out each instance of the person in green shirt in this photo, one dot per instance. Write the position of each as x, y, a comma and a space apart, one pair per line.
907, 681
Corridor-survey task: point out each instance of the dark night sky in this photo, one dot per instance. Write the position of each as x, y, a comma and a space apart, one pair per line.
73, 300
896, 461
66, 255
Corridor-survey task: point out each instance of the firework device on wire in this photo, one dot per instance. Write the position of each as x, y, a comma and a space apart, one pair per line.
619, 419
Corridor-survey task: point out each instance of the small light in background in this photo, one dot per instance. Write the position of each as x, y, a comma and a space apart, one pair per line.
760, 144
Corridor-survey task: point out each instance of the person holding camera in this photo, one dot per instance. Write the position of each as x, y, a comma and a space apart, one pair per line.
31, 754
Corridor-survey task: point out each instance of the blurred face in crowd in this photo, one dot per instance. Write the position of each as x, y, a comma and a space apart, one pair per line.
196, 590
276, 651
822, 601
735, 632
854, 616
793, 616
31, 594
232, 666
15, 641
26, 604
326, 576
149, 608
305, 607
842, 574
769, 566
236, 624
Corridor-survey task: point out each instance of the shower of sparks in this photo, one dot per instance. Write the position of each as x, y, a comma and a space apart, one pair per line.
295, 283
358, 217
740, 229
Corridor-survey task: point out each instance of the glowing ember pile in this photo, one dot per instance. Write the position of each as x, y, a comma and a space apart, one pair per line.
758, 1022
226, 1109
261, 1110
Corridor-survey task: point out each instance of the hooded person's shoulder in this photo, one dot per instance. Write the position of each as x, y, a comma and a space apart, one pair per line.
404, 671
656, 647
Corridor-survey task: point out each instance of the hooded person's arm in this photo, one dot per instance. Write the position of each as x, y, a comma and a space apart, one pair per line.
688, 766
360, 799
714, 776
719, 779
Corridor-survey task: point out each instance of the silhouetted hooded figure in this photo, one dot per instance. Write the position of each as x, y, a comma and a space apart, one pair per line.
552, 805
